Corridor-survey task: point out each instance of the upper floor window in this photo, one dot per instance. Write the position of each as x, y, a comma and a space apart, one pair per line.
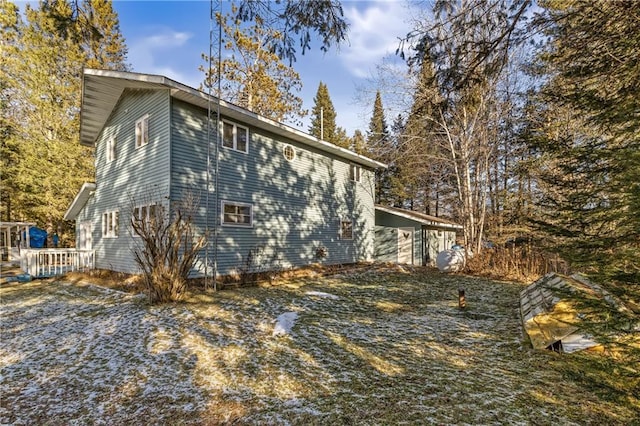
142, 131
111, 149
235, 137
110, 224
354, 172
237, 214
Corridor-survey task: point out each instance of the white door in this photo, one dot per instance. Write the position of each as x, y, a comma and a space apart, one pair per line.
405, 245
84, 236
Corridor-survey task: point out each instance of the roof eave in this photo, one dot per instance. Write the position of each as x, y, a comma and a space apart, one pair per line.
79, 201
433, 223
89, 129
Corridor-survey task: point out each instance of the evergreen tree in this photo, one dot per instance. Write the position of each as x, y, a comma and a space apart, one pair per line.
323, 119
380, 148
9, 148
102, 42
42, 79
422, 157
252, 76
288, 18
590, 159
358, 143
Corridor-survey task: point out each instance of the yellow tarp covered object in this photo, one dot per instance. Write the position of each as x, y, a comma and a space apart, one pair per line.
549, 315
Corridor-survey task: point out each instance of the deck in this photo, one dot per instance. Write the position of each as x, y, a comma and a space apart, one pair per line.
44, 263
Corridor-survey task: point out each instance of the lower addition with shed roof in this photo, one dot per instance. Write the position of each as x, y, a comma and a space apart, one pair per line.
410, 237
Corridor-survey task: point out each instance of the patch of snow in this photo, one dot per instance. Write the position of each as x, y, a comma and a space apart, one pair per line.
323, 294
284, 323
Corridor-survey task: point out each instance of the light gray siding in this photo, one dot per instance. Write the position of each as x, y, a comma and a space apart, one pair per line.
297, 205
386, 231
429, 240
136, 176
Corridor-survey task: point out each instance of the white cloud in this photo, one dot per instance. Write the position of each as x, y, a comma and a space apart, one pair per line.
373, 34
155, 53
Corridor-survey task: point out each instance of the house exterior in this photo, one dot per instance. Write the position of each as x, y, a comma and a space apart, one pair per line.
410, 237
263, 187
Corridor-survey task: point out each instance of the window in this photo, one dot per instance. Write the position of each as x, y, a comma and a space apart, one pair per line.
235, 137
111, 149
237, 214
354, 173
289, 152
346, 229
142, 131
110, 224
149, 213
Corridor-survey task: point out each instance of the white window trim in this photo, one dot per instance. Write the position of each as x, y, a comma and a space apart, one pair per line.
112, 218
112, 149
355, 172
342, 237
147, 207
144, 130
235, 136
85, 236
223, 203
284, 152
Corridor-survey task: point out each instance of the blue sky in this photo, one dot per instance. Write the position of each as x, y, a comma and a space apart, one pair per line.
168, 38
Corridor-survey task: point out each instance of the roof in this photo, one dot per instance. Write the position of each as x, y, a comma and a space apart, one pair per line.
81, 199
422, 218
101, 90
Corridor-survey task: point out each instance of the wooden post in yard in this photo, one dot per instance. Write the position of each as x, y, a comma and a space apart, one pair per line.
462, 303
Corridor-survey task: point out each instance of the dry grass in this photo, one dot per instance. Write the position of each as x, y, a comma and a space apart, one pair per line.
390, 346
522, 264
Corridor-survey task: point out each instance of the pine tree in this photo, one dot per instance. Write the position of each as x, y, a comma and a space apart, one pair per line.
288, 18
102, 42
380, 148
9, 148
589, 160
254, 77
422, 157
42, 78
323, 116
358, 143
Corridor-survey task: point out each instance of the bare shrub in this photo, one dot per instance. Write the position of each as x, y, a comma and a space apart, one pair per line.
522, 263
168, 250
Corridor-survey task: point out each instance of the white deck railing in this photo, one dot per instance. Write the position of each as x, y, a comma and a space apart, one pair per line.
50, 262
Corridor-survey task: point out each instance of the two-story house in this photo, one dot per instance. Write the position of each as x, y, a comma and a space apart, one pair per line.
260, 185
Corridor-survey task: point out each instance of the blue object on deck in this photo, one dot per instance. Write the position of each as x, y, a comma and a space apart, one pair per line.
37, 237
21, 278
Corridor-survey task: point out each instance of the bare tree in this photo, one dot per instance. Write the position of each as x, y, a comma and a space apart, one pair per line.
469, 44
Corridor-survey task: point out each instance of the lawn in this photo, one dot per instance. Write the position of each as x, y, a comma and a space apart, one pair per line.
368, 347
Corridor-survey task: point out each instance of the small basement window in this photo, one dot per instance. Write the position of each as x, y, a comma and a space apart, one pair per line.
237, 214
